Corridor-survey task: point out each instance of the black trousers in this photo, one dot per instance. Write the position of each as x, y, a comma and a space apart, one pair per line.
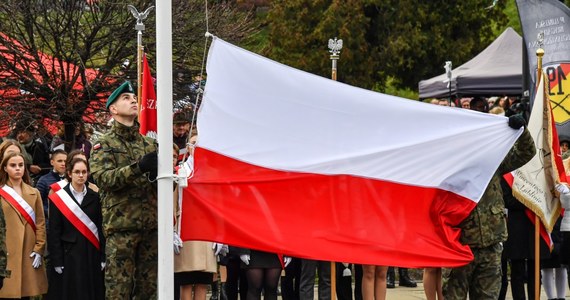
343, 283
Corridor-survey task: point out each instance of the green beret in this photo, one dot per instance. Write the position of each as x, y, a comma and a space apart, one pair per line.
126, 87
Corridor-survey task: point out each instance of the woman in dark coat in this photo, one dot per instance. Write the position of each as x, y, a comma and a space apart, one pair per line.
78, 257
262, 270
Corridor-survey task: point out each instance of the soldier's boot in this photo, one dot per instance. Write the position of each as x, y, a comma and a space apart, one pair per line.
223, 295
390, 278
215, 291
405, 279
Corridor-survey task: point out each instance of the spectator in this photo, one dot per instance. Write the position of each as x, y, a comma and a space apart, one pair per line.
37, 149
465, 102
194, 262
57, 161
308, 270
554, 276
181, 131
78, 256
263, 270
374, 282
25, 235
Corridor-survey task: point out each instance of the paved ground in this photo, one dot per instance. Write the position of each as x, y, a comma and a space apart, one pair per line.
403, 293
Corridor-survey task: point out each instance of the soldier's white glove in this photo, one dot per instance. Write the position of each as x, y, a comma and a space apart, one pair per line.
220, 249
177, 243
103, 265
37, 260
287, 260
59, 270
562, 188
245, 258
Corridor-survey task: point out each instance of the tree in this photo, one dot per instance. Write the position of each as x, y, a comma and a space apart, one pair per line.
405, 40
59, 60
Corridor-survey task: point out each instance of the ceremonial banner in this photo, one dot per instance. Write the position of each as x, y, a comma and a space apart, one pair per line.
294, 163
147, 116
549, 18
533, 183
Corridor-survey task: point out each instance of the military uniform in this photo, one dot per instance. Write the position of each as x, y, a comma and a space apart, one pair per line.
3, 251
129, 208
484, 230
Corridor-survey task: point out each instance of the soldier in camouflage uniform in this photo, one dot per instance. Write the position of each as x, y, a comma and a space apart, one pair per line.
485, 229
123, 163
3, 251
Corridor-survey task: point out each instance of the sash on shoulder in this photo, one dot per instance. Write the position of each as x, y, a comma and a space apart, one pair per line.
10, 195
58, 185
76, 216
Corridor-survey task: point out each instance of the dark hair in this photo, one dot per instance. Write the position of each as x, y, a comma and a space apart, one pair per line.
56, 152
4, 175
71, 164
71, 155
477, 100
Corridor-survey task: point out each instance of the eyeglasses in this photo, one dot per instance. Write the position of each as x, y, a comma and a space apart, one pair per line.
83, 172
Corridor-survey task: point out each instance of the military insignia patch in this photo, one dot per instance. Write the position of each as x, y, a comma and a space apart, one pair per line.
96, 146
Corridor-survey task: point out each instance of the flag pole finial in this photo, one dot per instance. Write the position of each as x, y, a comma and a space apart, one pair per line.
335, 45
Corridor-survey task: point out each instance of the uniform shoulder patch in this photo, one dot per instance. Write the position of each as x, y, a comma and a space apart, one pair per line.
97, 146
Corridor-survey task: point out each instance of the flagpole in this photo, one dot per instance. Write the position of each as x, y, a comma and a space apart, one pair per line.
139, 27
335, 45
539, 54
165, 285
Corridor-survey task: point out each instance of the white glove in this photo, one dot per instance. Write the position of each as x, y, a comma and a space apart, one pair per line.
59, 270
220, 249
177, 243
287, 260
37, 260
103, 264
245, 258
562, 188
346, 272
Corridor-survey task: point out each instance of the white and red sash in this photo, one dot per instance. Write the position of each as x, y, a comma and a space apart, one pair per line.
10, 195
58, 185
76, 216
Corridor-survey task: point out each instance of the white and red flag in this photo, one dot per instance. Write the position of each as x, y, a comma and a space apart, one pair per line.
293, 163
147, 116
533, 184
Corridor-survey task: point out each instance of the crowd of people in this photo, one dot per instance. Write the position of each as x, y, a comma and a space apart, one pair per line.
83, 225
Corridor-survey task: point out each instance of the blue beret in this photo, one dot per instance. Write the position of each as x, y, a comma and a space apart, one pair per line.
126, 87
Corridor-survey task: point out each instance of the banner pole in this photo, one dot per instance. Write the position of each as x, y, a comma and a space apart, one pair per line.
334, 48
539, 54
536, 257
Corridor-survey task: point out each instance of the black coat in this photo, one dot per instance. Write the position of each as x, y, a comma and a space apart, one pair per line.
520, 242
82, 277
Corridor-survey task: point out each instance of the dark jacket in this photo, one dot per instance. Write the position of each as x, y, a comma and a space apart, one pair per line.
82, 274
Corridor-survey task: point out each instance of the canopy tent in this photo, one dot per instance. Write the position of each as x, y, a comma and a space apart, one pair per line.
497, 70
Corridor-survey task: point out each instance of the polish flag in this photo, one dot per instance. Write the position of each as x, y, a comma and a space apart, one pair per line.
290, 162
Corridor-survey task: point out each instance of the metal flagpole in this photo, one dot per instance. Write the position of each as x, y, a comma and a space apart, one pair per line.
139, 27
448, 67
334, 48
165, 289
539, 55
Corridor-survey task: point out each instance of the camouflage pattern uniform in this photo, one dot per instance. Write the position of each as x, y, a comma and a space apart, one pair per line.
3, 251
484, 230
129, 207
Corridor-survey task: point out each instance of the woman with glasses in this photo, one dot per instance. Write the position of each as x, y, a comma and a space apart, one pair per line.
76, 243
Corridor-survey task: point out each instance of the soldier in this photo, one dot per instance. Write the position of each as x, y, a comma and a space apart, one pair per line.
485, 229
124, 164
